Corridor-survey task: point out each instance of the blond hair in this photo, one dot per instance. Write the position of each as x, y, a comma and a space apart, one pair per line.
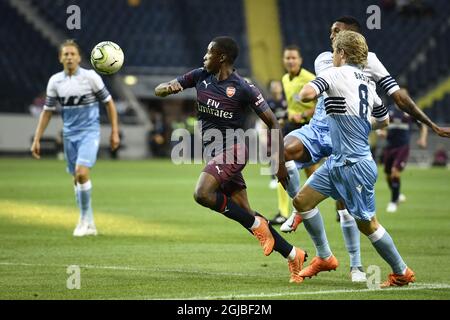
354, 46
68, 43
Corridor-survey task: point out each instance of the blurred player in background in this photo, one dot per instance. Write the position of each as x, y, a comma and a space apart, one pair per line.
278, 105
349, 174
396, 152
78, 91
222, 99
299, 115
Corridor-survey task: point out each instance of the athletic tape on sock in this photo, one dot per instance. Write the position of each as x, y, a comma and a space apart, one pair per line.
309, 214
84, 186
377, 235
345, 215
291, 165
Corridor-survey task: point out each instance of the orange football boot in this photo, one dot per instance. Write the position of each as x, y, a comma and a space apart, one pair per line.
399, 280
318, 264
264, 236
296, 265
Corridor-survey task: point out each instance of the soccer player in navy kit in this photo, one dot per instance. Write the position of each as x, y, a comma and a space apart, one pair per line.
222, 98
78, 91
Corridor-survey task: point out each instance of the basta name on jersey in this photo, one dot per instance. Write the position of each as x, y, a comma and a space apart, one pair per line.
362, 77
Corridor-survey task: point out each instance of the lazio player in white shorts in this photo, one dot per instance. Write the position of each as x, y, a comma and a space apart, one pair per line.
78, 91
353, 109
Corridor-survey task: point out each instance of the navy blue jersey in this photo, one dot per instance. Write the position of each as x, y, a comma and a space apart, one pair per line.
399, 129
222, 105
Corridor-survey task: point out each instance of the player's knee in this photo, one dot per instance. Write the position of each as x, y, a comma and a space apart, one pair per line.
288, 154
301, 203
81, 175
292, 149
203, 197
395, 173
368, 227
197, 196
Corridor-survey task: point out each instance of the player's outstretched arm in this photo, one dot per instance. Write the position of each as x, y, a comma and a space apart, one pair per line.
307, 93
404, 102
376, 124
113, 119
44, 119
272, 123
166, 88
422, 141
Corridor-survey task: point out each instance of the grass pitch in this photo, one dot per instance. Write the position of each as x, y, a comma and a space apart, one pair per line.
156, 243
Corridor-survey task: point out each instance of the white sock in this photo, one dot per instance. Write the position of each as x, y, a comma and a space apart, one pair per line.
255, 224
345, 215
292, 254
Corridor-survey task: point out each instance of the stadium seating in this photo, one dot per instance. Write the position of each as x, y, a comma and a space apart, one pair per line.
440, 110
26, 61
398, 41
166, 34
435, 65
157, 33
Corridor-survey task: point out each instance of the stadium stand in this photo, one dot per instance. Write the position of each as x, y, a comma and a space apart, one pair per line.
152, 30
26, 61
161, 35
440, 110
402, 34
434, 64
152, 34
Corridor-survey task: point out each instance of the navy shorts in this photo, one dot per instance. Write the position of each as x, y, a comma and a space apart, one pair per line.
395, 158
227, 168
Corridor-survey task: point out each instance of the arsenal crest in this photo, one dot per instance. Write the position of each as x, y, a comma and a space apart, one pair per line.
231, 91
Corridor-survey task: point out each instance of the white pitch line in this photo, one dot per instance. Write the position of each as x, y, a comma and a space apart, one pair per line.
127, 268
417, 286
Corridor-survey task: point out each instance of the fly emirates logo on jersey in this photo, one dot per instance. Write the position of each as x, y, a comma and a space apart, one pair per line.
212, 108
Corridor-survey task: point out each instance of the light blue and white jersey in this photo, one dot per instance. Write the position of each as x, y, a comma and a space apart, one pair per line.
79, 97
375, 70
350, 101
321, 63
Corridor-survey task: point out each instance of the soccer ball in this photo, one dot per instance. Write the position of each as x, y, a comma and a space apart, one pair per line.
107, 57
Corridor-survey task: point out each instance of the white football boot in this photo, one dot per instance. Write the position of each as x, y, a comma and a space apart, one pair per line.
85, 229
392, 207
292, 222
358, 275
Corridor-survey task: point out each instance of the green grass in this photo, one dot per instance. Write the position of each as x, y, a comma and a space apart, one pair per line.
156, 243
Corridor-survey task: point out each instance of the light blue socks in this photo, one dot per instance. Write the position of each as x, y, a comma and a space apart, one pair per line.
385, 246
84, 201
294, 179
312, 220
351, 235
